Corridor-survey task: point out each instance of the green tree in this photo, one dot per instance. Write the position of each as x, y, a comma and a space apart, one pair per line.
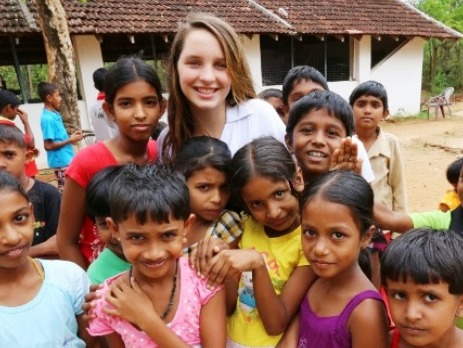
443, 63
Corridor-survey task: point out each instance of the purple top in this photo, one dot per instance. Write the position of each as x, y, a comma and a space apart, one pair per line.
329, 332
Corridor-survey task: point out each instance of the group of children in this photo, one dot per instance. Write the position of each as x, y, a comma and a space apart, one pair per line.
245, 234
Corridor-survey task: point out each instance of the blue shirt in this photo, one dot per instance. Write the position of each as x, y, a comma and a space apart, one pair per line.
53, 129
49, 319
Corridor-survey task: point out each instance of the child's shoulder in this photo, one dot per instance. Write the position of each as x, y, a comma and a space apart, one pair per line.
45, 188
193, 283
66, 275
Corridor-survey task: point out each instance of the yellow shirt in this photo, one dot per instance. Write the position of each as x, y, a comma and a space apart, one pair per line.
282, 255
450, 199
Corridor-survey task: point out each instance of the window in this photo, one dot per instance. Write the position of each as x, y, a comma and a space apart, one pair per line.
332, 57
383, 48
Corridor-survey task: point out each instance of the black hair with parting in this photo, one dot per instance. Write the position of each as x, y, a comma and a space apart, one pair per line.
201, 152
454, 170
45, 89
265, 157
10, 184
153, 192
97, 197
332, 102
128, 70
425, 256
370, 88
302, 73
12, 135
346, 188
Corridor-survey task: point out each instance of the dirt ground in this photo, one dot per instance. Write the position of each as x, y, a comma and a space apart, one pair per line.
430, 146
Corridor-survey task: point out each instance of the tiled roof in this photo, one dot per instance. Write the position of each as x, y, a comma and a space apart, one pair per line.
332, 17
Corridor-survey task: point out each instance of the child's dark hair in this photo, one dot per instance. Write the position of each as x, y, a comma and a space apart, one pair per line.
270, 93
97, 197
8, 98
370, 88
298, 74
352, 191
98, 78
128, 70
263, 156
201, 152
425, 256
12, 135
453, 171
153, 192
10, 184
334, 103
158, 129
45, 89
346, 188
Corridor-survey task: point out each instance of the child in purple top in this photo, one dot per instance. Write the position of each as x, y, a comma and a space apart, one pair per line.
342, 308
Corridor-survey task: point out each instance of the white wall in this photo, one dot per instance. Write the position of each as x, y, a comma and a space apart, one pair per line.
252, 50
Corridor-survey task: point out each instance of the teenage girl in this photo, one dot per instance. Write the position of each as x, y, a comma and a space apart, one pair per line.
160, 301
342, 309
269, 270
43, 297
211, 90
134, 103
205, 163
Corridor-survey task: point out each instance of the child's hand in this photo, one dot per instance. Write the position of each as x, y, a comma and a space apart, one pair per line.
202, 254
130, 302
76, 137
345, 158
231, 263
90, 302
23, 116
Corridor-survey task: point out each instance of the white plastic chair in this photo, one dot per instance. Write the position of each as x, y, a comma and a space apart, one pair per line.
440, 101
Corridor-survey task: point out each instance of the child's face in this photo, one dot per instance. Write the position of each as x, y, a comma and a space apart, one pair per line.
368, 112
301, 89
460, 186
136, 110
272, 203
278, 105
12, 159
54, 99
9, 111
16, 229
152, 248
203, 72
423, 313
209, 193
106, 236
314, 140
331, 238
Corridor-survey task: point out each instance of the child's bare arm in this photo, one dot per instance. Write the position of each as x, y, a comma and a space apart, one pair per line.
387, 219
290, 337
368, 325
70, 223
91, 342
50, 145
277, 311
27, 127
213, 322
114, 341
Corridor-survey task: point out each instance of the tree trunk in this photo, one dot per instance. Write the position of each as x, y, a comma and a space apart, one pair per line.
60, 58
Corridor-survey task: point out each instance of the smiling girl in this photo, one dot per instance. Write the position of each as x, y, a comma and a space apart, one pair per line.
211, 90
134, 103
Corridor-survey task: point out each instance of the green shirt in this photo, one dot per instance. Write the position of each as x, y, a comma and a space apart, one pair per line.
437, 219
106, 265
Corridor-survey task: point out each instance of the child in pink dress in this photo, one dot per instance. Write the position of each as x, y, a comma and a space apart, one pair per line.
160, 301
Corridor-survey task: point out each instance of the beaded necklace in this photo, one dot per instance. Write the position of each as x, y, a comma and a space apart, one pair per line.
170, 305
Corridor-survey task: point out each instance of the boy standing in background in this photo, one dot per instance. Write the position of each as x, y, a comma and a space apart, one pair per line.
56, 140
9, 109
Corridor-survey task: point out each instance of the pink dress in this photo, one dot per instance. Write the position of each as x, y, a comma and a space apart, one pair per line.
193, 295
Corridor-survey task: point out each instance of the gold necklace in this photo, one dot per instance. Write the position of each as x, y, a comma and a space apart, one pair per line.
37, 267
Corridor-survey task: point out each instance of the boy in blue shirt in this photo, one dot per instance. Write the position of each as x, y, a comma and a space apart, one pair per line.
56, 140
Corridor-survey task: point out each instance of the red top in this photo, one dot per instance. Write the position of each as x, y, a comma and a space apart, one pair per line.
83, 167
